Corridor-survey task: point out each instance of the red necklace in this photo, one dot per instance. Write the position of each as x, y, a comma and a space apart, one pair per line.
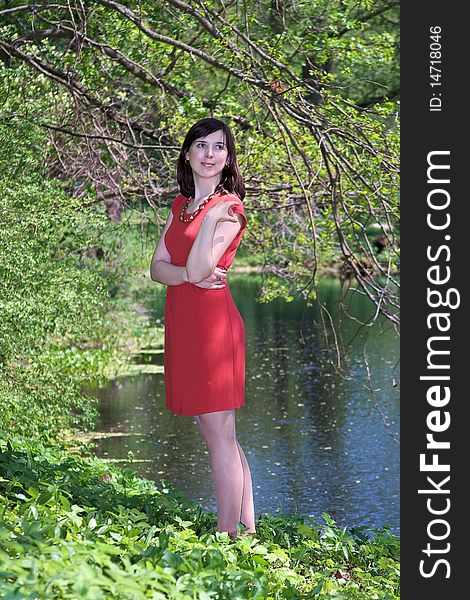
194, 214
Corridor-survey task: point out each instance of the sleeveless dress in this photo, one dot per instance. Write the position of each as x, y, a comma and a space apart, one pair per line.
204, 357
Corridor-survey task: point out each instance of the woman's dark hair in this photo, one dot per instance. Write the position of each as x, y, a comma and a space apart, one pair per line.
231, 179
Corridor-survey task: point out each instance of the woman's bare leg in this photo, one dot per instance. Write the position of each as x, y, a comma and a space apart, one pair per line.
230, 471
248, 508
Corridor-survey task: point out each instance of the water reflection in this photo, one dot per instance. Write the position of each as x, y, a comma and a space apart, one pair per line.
316, 441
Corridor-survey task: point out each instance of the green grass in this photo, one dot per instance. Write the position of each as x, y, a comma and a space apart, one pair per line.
74, 527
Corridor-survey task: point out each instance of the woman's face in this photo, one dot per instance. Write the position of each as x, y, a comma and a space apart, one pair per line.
208, 154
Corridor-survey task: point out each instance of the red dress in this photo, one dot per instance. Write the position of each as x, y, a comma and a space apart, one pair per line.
204, 359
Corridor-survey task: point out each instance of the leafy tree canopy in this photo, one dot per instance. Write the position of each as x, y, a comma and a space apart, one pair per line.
309, 88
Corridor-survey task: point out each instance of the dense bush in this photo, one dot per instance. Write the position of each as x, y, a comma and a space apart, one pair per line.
54, 295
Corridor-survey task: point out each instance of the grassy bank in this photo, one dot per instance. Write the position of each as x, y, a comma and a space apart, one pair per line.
75, 528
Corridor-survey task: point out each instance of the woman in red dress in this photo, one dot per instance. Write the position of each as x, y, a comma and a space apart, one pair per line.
204, 358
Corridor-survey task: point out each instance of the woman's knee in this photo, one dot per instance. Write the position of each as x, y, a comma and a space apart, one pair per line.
218, 427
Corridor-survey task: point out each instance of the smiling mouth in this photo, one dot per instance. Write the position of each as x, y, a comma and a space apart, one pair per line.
207, 164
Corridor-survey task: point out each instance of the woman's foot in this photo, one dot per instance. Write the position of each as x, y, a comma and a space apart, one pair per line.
234, 534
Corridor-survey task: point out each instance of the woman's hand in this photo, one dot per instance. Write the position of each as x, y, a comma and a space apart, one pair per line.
222, 211
216, 281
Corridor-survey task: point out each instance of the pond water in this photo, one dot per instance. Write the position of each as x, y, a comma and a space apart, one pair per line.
316, 441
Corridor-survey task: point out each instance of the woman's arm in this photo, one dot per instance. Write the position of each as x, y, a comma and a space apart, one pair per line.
218, 229
161, 269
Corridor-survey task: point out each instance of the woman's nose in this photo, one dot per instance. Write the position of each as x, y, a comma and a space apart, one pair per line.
209, 151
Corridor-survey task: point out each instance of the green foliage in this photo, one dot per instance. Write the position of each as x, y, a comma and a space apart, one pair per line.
53, 295
86, 529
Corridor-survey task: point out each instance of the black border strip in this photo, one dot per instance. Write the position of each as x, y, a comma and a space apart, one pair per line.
435, 128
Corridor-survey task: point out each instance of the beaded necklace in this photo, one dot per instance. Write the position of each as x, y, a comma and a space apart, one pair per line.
194, 214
